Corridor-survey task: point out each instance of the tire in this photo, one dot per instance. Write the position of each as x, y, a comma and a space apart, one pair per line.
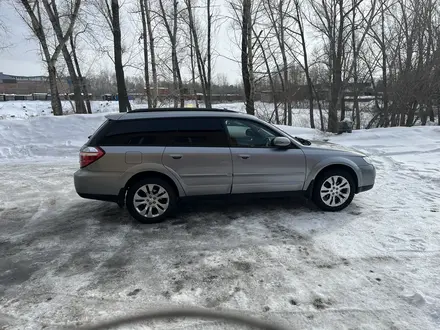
335, 187
151, 200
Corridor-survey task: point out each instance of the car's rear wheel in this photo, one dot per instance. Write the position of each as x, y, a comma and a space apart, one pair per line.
151, 200
334, 190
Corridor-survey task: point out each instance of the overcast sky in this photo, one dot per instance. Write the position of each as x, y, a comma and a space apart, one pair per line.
22, 57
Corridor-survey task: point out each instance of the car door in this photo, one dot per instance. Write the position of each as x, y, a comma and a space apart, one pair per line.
200, 156
257, 165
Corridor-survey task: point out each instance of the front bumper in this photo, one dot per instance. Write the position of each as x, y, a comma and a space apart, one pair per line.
368, 178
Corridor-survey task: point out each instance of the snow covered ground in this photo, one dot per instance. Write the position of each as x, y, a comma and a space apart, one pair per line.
69, 261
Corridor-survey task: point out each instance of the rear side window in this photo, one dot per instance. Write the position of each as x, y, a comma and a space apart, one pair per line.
178, 132
200, 132
147, 132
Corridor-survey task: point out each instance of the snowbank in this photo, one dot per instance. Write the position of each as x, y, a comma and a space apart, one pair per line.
30, 109
46, 136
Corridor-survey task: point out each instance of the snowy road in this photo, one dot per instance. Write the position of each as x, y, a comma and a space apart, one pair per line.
375, 265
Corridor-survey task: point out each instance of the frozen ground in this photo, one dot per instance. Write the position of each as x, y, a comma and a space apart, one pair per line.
68, 261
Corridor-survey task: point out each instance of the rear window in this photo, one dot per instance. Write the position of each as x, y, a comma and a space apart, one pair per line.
97, 132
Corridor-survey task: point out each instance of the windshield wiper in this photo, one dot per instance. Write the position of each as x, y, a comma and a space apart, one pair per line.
302, 141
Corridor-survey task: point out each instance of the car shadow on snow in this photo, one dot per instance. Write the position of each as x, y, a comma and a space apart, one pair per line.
213, 211
201, 216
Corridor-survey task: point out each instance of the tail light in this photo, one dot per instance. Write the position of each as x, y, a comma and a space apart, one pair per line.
89, 155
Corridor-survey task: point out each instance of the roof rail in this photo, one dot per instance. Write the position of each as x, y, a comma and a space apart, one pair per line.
179, 109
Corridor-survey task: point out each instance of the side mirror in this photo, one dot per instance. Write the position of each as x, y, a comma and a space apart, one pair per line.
281, 142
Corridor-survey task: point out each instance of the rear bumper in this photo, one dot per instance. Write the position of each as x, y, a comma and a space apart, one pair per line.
90, 183
106, 198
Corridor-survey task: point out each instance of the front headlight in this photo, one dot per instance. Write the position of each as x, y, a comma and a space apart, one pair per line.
368, 160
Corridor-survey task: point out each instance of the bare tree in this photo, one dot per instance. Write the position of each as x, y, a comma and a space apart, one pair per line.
54, 17
209, 56
34, 20
109, 9
145, 50
152, 53
204, 73
277, 13
301, 33
85, 90
247, 56
193, 71
269, 75
172, 35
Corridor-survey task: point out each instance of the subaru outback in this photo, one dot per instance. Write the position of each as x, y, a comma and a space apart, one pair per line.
149, 159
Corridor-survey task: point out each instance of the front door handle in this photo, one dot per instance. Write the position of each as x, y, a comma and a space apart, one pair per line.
176, 156
245, 156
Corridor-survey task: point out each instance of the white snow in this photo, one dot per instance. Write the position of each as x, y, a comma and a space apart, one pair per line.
66, 260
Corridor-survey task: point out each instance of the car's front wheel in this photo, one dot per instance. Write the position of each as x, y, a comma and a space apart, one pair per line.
334, 190
150, 200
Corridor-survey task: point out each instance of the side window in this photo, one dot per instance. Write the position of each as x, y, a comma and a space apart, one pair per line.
144, 132
249, 134
200, 132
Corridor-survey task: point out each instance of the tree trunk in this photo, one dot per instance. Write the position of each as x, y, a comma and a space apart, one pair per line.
402, 119
321, 116
199, 58
79, 100
250, 60
430, 109
54, 94
176, 61
193, 73
355, 70
384, 68
336, 84
145, 44
423, 116
208, 80
281, 41
306, 63
80, 76
152, 54
438, 114
124, 104
246, 57
411, 114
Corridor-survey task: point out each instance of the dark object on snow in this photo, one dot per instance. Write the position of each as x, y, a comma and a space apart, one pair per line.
345, 126
188, 312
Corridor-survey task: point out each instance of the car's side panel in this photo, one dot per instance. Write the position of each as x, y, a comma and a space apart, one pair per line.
267, 170
153, 167
317, 160
122, 166
201, 170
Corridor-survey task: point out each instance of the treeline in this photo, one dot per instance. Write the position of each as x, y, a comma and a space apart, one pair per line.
105, 83
327, 45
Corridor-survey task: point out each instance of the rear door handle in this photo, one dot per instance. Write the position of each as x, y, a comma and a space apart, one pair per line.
176, 156
244, 156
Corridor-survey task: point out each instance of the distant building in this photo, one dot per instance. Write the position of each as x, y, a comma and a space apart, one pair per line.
25, 85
